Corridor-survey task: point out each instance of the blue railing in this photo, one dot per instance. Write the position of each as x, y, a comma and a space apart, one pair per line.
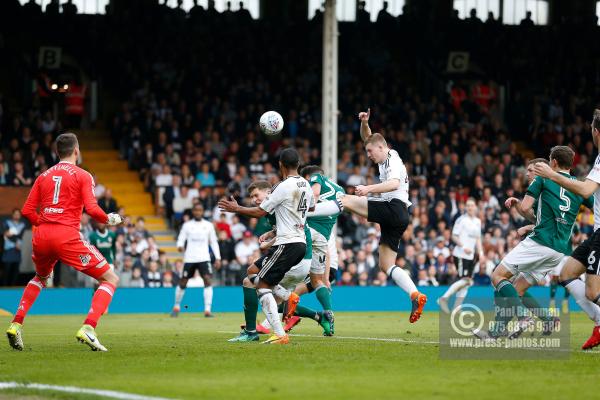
229, 299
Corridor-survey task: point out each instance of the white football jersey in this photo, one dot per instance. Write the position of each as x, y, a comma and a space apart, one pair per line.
290, 200
394, 168
468, 230
594, 175
199, 235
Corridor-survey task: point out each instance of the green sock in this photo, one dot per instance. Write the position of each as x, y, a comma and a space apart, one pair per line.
503, 314
324, 297
250, 308
508, 291
306, 312
553, 287
532, 304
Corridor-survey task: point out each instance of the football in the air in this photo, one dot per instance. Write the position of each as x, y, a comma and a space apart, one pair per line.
271, 123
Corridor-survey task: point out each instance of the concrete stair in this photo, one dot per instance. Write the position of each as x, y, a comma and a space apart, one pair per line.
102, 160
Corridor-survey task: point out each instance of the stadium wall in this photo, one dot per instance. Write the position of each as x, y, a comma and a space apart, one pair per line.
229, 299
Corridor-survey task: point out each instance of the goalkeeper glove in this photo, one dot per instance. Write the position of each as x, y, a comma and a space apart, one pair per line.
114, 219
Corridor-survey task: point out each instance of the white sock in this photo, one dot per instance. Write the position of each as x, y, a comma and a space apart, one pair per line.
460, 295
208, 293
179, 292
326, 208
577, 288
266, 323
281, 292
455, 287
402, 279
269, 307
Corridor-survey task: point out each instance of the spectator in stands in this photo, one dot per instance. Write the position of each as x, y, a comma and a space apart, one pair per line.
107, 202
69, 9
153, 277
167, 279
126, 274
19, 176
244, 251
12, 229
140, 228
4, 174
527, 21
237, 228
182, 201
137, 279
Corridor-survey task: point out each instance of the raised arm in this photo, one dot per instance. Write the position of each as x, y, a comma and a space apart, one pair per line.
230, 205
582, 188
365, 130
89, 199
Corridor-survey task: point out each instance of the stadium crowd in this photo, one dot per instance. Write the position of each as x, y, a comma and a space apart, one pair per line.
188, 125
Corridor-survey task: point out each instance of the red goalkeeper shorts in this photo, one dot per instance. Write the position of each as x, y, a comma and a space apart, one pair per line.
53, 242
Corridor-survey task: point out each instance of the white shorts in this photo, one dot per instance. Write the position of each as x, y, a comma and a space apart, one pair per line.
532, 260
556, 271
319, 251
296, 275
333, 254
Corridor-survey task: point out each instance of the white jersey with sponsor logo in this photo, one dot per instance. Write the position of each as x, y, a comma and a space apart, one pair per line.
290, 200
394, 168
468, 230
199, 235
594, 175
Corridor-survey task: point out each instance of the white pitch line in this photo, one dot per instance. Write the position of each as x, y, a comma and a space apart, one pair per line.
74, 389
399, 340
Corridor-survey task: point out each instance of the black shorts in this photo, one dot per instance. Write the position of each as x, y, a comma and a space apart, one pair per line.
189, 269
588, 253
392, 217
464, 267
279, 260
332, 275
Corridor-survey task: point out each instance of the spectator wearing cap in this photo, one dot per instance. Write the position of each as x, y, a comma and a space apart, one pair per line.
440, 248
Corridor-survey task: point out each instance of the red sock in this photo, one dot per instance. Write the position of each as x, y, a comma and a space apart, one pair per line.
100, 302
31, 292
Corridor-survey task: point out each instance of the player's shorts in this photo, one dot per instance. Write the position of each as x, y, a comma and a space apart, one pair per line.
588, 253
319, 251
464, 267
332, 275
296, 275
278, 261
204, 267
532, 260
333, 254
558, 269
53, 242
392, 216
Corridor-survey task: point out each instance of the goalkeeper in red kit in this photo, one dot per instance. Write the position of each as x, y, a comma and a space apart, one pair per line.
54, 208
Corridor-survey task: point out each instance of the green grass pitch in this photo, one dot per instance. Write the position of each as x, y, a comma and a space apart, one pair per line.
189, 358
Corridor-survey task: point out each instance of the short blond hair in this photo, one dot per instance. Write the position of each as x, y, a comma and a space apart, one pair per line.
376, 138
